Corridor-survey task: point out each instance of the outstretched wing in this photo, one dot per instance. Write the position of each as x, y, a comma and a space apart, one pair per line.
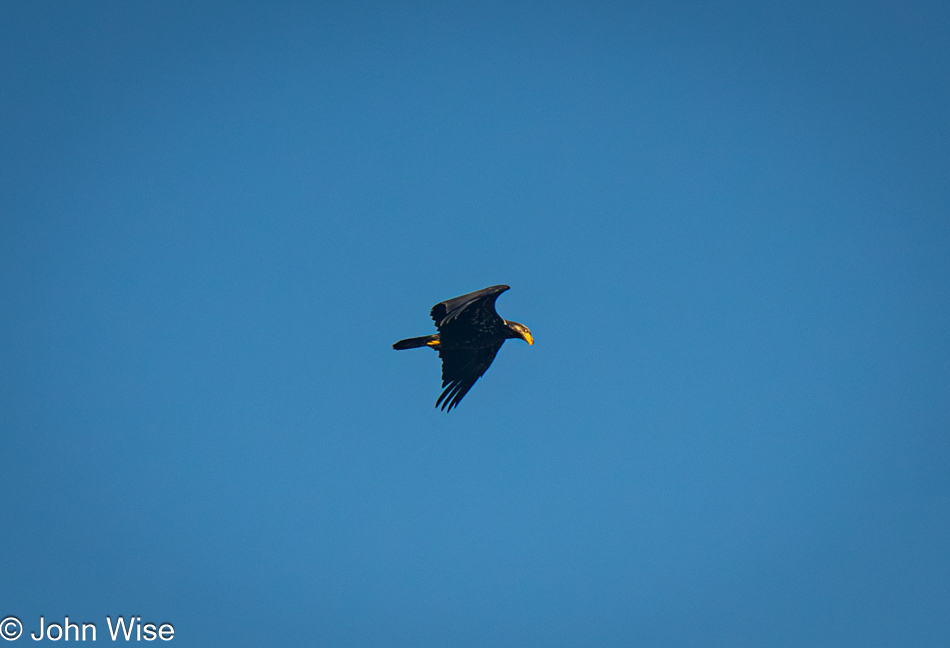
460, 369
478, 308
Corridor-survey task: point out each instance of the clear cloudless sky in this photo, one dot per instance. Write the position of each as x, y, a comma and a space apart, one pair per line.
727, 225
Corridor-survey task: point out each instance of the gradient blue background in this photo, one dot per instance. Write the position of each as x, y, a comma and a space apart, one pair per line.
727, 225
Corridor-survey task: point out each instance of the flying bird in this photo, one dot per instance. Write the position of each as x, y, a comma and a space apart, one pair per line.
470, 334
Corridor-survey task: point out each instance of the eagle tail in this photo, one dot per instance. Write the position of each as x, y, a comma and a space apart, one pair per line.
412, 343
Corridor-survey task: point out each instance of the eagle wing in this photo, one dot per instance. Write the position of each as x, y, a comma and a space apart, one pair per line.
460, 369
474, 309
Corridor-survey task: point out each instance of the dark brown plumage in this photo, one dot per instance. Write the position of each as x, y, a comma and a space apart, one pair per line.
470, 334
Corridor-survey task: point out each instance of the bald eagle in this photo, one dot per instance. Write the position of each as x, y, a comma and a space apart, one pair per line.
470, 334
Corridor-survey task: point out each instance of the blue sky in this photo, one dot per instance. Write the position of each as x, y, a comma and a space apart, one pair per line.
725, 224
